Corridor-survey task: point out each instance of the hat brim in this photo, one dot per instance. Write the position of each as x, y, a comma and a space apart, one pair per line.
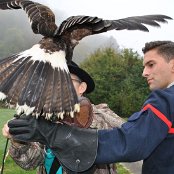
84, 76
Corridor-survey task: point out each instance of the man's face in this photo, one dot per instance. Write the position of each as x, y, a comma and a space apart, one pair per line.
158, 72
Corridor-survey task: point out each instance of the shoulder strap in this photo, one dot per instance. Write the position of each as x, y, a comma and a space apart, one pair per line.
55, 166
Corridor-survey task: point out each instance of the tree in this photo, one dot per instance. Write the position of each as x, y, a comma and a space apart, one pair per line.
118, 79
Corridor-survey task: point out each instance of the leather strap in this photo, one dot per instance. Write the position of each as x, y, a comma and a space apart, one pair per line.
84, 118
55, 166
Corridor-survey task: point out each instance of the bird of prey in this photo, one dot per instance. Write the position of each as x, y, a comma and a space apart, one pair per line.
37, 80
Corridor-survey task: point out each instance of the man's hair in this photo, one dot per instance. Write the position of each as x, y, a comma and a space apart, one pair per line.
164, 48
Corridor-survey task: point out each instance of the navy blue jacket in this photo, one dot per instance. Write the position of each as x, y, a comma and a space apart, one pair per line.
147, 135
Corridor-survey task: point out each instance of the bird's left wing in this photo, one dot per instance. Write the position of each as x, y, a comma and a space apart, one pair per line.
42, 19
34, 82
77, 27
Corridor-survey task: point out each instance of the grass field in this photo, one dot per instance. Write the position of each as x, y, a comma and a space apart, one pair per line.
10, 166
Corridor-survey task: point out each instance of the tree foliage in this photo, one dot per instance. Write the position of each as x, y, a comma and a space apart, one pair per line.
118, 80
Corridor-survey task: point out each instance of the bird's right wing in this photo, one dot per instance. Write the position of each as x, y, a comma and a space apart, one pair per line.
77, 27
42, 19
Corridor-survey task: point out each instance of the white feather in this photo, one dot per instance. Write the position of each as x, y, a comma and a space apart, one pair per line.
24, 109
2, 96
56, 59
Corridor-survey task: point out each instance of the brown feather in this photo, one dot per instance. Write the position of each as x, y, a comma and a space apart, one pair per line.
20, 84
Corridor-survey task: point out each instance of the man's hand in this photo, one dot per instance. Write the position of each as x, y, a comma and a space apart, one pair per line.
5, 131
30, 129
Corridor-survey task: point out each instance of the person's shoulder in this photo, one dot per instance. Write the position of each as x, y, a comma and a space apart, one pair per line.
162, 93
161, 98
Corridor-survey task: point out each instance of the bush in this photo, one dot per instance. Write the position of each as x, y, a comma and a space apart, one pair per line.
118, 80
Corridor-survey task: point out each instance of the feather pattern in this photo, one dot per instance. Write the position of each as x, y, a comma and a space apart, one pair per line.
38, 80
11, 74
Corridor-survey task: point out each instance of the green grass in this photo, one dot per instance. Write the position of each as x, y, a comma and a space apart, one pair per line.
10, 165
121, 169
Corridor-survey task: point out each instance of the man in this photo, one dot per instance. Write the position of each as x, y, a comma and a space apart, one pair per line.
31, 155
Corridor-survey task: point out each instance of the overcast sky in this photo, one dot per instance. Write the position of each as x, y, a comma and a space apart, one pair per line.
115, 9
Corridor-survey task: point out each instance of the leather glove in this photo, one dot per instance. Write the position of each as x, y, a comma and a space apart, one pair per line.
30, 129
76, 148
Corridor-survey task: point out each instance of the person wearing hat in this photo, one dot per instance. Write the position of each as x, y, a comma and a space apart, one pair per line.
82, 78
31, 155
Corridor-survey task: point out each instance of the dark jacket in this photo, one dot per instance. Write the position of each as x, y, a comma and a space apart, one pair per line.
147, 135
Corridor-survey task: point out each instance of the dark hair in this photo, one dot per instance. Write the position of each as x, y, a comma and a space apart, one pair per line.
164, 48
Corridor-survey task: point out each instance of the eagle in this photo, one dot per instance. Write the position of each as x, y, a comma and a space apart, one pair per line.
37, 81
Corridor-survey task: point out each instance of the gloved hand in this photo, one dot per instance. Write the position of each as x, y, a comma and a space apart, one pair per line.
76, 148
30, 129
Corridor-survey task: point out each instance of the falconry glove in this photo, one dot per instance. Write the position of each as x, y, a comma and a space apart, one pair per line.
76, 148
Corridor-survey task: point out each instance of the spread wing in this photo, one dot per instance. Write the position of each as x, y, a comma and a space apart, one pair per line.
37, 80
77, 27
39, 83
42, 19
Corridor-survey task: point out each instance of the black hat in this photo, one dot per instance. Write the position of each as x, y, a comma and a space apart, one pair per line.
83, 75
